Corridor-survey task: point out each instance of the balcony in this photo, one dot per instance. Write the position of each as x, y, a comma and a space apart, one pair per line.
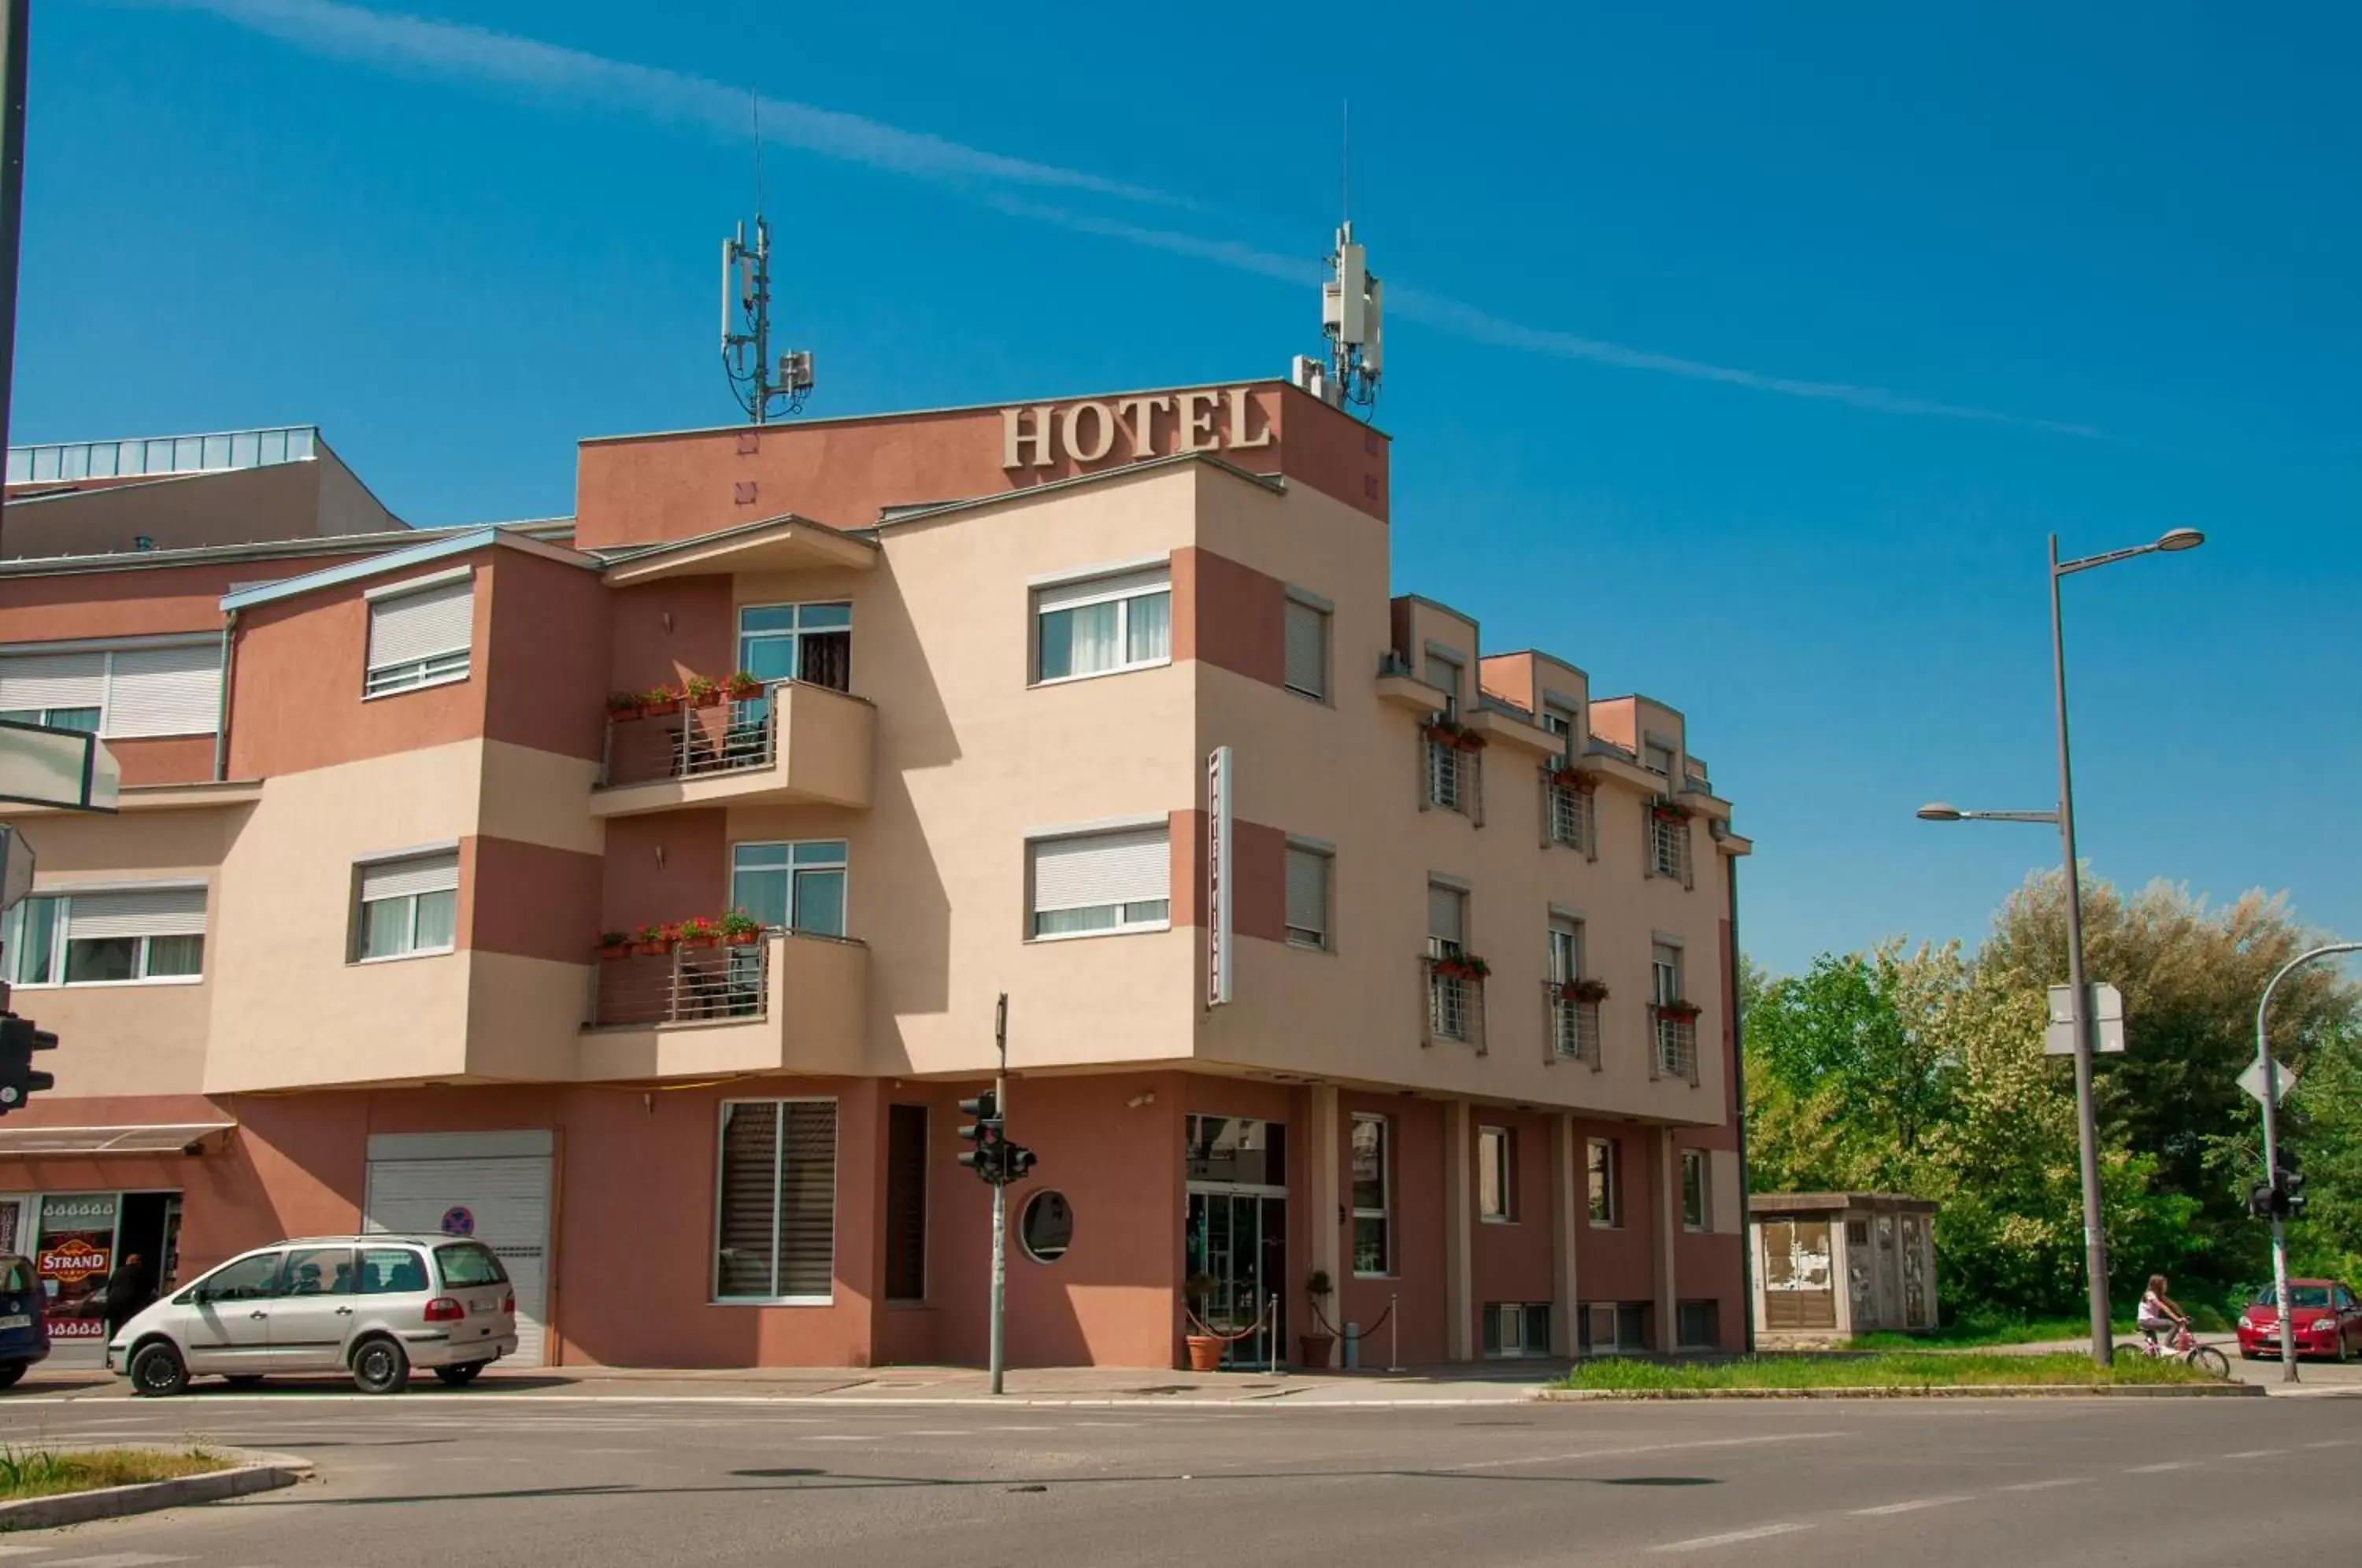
1674, 1045
793, 1001
803, 745
1455, 1005
1570, 1026
1455, 778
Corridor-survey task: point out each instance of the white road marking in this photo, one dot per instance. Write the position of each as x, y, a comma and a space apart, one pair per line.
1730, 1538
1623, 1452
115, 1560
937, 1432
1904, 1508
22, 1550
2256, 1454
1020, 1428
2155, 1469
2046, 1485
840, 1437
1109, 1424
2332, 1442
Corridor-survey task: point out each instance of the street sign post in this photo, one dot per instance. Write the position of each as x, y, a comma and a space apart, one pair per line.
2107, 1012
2252, 1080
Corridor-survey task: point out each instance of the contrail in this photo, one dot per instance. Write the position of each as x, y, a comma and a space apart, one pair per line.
389, 40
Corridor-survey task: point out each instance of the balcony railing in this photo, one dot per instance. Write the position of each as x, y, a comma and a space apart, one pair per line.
1455, 1007
1669, 848
1567, 816
695, 742
1454, 779
1572, 1026
1675, 1045
688, 985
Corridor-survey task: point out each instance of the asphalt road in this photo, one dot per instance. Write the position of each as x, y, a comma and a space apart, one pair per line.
497, 1479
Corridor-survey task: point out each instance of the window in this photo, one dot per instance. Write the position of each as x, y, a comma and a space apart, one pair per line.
1605, 1158
1239, 1151
392, 1271
1101, 882
1306, 668
1573, 1021
1103, 625
1675, 1026
420, 636
1447, 920
1569, 808
253, 1279
1698, 1324
1657, 758
792, 886
1666, 973
1669, 844
775, 1221
1695, 1203
111, 937
1516, 1329
122, 693
906, 1203
409, 905
1559, 720
1373, 1185
1453, 997
1612, 1328
465, 1265
1565, 950
317, 1271
1496, 1175
812, 643
1443, 674
1307, 897
1047, 1227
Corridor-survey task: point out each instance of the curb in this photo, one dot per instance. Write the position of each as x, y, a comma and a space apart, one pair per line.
1285, 1400
259, 1473
1903, 1391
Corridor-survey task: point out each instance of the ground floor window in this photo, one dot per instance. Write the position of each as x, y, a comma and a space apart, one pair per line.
775, 1221
1514, 1328
1611, 1328
1700, 1324
78, 1240
1373, 1187
906, 1203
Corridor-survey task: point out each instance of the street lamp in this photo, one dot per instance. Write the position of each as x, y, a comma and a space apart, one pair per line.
2095, 1242
2269, 1073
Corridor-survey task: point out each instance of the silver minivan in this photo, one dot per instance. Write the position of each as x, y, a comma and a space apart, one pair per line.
374, 1305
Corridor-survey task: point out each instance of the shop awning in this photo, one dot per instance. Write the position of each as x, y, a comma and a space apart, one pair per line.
161, 1138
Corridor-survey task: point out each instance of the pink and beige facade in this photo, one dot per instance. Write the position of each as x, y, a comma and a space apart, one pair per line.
1431, 995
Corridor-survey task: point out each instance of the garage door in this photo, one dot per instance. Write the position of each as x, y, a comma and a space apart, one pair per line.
493, 1186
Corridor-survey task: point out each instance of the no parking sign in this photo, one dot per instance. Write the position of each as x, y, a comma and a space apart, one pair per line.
458, 1220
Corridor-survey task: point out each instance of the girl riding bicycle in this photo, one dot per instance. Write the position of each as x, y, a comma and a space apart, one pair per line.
2158, 1314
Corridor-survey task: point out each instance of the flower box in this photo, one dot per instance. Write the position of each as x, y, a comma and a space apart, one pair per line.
1666, 812
658, 702
1573, 778
1451, 733
614, 944
1680, 1011
701, 692
623, 704
1462, 967
742, 687
696, 932
652, 941
1582, 990
740, 928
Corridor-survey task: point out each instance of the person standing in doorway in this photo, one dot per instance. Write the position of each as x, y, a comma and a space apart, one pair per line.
129, 1289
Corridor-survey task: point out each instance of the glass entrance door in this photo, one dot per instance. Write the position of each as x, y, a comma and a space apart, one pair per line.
1239, 1240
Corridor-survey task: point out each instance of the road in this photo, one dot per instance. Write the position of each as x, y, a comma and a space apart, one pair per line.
524, 1480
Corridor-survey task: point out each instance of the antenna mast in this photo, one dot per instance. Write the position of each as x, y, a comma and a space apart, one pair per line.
1352, 311
761, 389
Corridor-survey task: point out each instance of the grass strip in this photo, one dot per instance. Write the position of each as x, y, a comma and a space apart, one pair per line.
1897, 1369
50, 1472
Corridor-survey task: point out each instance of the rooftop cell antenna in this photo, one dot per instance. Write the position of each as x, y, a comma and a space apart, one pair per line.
762, 391
1352, 309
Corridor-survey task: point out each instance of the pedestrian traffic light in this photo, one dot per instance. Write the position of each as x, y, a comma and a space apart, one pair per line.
18, 1040
985, 1134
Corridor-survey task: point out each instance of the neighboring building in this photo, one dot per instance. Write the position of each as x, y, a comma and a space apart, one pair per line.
1882, 1244
333, 964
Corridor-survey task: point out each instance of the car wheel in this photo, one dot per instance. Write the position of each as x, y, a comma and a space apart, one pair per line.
380, 1367
460, 1376
2345, 1350
158, 1372
244, 1380
10, 1373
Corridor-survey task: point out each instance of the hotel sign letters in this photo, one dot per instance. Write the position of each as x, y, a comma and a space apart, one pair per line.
1210, 419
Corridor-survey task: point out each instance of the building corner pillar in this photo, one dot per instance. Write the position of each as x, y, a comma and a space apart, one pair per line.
1669, 1231
1567, 1210
1324, 1227
1458, 1220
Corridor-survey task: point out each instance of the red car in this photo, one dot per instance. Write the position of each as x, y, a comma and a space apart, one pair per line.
2327, 1316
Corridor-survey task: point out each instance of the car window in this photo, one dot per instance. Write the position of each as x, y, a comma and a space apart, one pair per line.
389, 1271
15, 1277
470, 1263
247, 1279
2309, 1295
317, 1271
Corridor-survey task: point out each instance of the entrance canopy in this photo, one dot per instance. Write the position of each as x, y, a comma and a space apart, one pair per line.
160, 1138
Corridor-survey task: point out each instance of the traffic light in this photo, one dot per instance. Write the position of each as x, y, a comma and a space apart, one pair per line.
18, 1040
2260, 1199
1016, 1159
2290, 1182
985, 1134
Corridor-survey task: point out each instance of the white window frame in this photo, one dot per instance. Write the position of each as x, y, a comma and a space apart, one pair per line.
1499, 1314
1611, 1170
793, 635
1694, 1161
1123, 588
1126, 924
1384, 1213
1325, 939
1664, 973
105, 654
448, 669
778, 1181
361, 907
794, 870
12, 937
1497, 1147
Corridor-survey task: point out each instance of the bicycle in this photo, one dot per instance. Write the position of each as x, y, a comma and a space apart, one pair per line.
2184, 1347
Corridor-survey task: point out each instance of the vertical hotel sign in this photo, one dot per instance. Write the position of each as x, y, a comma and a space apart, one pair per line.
1217, 876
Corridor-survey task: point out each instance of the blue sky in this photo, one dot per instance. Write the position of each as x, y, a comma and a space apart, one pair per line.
1743, 359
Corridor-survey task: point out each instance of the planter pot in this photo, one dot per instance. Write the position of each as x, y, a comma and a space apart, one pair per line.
651, 949
612, 954
1314, 1349
698, 944
1205, 1353
659, 710
713, 701
743, 939
618, 715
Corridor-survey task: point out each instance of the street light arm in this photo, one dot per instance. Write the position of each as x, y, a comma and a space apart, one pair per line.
2269, 1073
2051, 818
2085, 563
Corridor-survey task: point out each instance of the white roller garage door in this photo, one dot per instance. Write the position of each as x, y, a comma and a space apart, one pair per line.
501, 1179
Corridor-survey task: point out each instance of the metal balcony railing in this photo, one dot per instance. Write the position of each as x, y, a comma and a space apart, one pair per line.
1669, 848
694, 743
1675, 1045
1567, 816
688, 985
1455, 779
1572, 1026
1455, 1007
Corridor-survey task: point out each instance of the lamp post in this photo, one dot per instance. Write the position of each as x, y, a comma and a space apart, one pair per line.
2270, 1097
2087, 1128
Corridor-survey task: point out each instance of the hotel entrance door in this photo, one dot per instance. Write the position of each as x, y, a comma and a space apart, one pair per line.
1238, 1241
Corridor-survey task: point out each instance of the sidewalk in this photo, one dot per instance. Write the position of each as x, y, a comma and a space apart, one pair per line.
1075, 1385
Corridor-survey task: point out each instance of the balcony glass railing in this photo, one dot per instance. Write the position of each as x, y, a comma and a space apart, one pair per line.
142, 457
